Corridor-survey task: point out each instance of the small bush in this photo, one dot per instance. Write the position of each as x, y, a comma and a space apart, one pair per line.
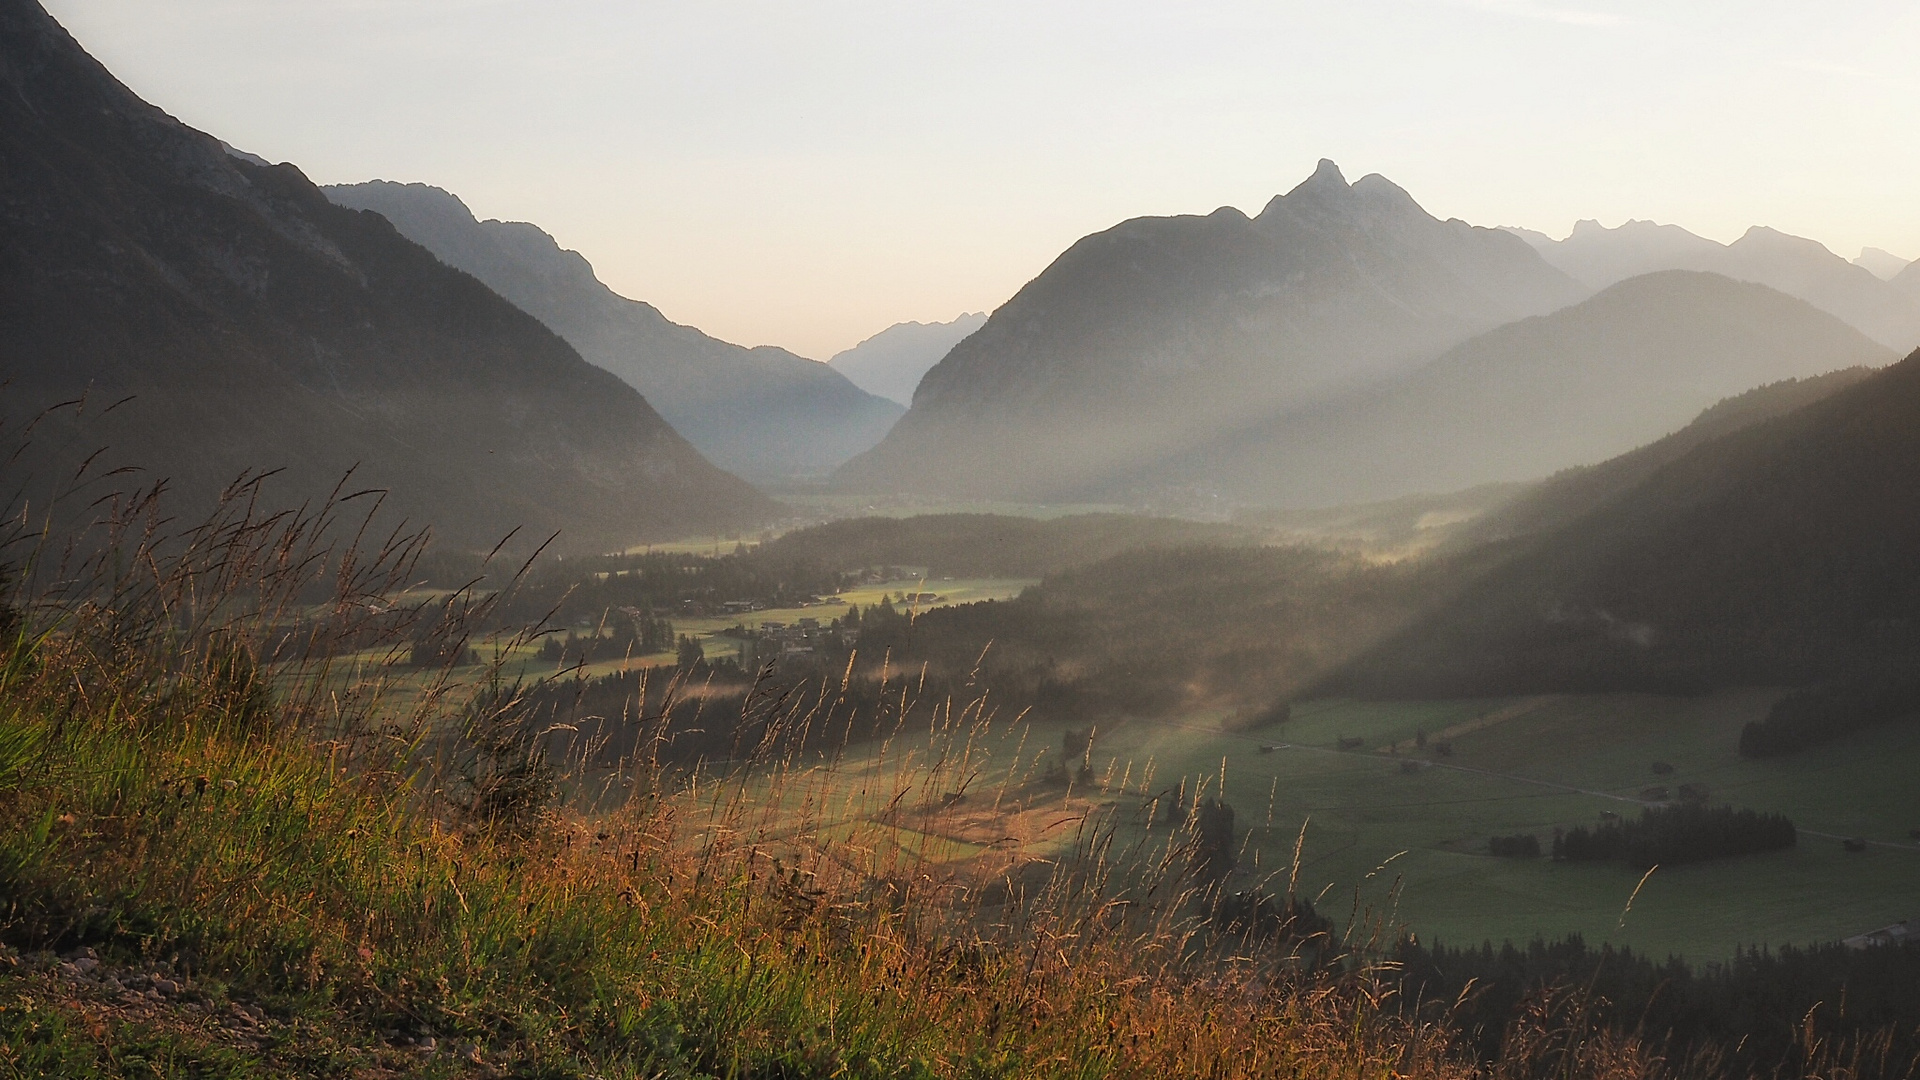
1516, 846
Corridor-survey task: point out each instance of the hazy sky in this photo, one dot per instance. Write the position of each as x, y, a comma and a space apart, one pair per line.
805, 174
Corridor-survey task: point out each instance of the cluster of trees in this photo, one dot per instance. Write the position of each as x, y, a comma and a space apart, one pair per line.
572, 591
1829, 711
626, 633
1290, 923
1212, 854
1689, 832
1516, 846
1759, 1009
991, 545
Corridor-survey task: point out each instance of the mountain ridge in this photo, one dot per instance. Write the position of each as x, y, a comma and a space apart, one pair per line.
763, 412
252, 325
892, 362
1141, 339
1780, 553
1598, 256
1623, 367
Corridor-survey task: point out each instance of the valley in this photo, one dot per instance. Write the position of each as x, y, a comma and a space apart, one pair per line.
1332, 640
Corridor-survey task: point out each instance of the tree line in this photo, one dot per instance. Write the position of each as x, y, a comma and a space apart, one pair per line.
1665, 835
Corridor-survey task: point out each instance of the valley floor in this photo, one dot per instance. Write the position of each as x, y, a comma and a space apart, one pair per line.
1396, 836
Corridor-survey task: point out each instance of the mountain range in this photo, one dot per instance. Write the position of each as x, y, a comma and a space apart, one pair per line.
1148, 339
241, 321
1345, 346
763, 413
1799, 267
892, 362
1617, 370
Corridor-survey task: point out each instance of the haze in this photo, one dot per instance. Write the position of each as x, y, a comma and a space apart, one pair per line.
806, 175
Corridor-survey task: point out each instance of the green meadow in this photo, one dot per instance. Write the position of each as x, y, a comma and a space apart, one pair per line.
1398, 834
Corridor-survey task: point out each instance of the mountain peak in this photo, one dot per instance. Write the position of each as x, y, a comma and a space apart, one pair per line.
1326, 187
1327, 178
1762, 236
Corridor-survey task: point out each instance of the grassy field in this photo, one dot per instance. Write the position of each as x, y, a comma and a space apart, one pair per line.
523, 660
1410, 846
1405, 844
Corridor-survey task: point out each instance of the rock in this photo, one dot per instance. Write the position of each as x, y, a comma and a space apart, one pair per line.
166, 986
425, 1044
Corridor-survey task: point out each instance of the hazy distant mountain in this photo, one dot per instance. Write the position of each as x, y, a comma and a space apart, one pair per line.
891, 362
1582, 384
1785, 551
1907, 282
1599, 256
1884, 265
1147, 339
259, 326
762, 412
1572, 493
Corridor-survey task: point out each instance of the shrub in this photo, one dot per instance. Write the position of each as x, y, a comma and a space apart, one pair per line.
1516, 846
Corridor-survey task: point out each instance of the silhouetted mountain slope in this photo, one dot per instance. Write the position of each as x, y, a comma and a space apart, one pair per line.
260, 326
1567, 495
763, 412
891, 362
1799, 267
1783, 552
1141, 341
1580, 385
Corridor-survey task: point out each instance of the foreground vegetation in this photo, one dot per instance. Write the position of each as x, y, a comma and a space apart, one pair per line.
221, 855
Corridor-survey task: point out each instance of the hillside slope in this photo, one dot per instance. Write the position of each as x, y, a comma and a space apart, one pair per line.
1141, 341
762, 412
258, 326
1587, 382
1598, 257
1567, 495
1783, 552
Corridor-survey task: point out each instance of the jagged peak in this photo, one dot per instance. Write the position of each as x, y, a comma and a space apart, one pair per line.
1326, 179
1326, 184
440, 198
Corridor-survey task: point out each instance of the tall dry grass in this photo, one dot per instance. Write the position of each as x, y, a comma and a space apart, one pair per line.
209, 751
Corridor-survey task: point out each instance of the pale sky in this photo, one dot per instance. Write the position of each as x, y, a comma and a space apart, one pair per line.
805, 174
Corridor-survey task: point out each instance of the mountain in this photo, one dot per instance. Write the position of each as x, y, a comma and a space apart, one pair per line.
1799, 267
1144, 340
1884, 265
1783, 552
1631, 364
1907, 282
1567, 495
891, 362
256, 325
762, 412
